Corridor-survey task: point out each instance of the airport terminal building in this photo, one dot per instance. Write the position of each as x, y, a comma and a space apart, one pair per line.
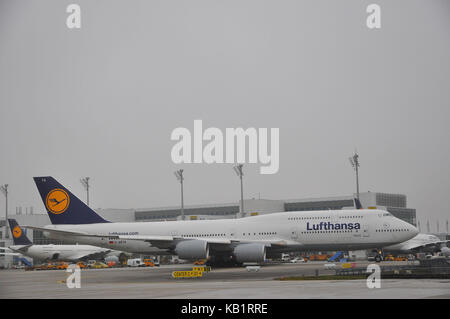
394, 203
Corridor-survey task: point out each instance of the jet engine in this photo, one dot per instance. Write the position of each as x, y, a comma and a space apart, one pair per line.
445, 251
250, 253
192, 249
55, 256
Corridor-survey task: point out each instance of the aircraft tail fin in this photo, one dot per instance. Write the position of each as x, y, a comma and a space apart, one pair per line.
62, 206
18, 234
357, 203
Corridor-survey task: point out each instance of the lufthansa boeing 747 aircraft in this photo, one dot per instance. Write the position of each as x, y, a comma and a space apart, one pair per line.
250, 239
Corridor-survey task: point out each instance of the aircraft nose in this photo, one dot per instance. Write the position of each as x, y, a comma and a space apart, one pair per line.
414, 230
410, 230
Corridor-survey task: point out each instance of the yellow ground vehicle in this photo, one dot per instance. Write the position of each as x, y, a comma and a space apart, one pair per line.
389, 258
81, 264
200, 262
401, 258
50, 266
319, 257
149, 263
98, 265
41, 267
62, 266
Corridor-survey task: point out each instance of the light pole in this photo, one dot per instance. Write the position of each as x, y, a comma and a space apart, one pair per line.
354, 161
4, 189
85, 183
180, 178
238, 170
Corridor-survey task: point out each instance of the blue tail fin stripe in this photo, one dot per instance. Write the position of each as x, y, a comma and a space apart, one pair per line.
62, 206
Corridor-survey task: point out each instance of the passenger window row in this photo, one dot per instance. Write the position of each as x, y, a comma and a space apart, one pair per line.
358, 216
308, 218
324, 217
389, 230
326, 231
204, 235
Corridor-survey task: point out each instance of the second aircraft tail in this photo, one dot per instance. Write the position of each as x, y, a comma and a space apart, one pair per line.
18, 234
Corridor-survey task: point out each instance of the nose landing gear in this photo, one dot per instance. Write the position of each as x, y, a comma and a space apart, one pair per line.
377, 255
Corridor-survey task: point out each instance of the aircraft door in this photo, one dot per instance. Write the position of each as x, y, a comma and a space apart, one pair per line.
294, 233
366, 231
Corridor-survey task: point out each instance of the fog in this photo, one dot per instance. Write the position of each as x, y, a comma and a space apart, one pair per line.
103, 100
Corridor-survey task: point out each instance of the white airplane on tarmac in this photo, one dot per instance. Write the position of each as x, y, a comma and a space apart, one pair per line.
23, 246
249, 239
420, 243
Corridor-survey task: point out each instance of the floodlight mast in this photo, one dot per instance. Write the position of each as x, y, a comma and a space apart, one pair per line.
180, 177
85, 183
4, 189
238, 170
354, 161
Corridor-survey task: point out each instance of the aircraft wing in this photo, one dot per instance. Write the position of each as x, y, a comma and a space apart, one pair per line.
170, 242
95, 255
219, 241
62, 232
19, 250
165, 242
157, 241
83, 234
9, 254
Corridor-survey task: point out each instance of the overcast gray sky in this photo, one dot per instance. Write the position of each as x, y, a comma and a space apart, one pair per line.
102, 101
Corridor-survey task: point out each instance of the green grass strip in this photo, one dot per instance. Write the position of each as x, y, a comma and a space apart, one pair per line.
325, 277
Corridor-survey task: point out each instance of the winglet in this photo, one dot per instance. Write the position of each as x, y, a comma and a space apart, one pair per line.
357, 203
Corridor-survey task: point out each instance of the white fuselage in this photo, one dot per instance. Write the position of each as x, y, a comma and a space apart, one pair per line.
57, 252
301, 231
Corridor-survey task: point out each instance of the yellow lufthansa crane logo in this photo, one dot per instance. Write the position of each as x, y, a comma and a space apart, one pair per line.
57, 201
17, 232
